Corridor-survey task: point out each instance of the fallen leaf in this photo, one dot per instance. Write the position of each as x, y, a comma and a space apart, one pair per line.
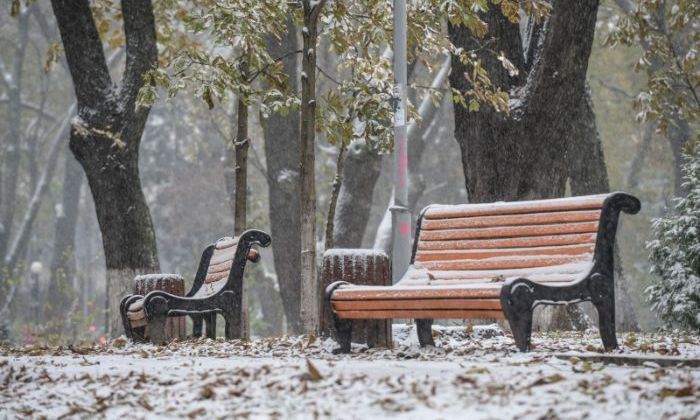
546, 380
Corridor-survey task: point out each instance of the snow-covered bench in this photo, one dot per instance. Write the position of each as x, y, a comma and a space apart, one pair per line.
217, 288
498, 260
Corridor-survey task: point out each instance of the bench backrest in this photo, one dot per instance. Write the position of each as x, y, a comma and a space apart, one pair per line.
544, 240
220, 264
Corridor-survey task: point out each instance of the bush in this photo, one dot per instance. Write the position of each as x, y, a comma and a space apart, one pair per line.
675, 254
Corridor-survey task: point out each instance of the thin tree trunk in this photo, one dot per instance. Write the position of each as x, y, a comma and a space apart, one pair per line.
678, 137
309, 281
10, 149
61, 291
335, 191
282, 156
639, 157
241, 199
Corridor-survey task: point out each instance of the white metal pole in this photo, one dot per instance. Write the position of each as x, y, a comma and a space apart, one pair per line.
400, 214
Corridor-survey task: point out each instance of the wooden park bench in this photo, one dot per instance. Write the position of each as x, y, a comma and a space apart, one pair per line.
498, 260
217, 288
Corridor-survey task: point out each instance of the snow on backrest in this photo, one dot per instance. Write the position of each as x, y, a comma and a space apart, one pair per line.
219, 266
544, 240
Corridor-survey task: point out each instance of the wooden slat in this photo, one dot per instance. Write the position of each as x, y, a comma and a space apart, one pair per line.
469, 291
515, 207
552, 281
503, 252
499, 263
418, 314
216, 276
421, 304
508, 231
218, 268
223, 255
575, 268
547, 240
511, 220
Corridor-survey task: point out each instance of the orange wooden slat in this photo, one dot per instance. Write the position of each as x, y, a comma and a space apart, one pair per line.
548, 240
212, 277
515, 207
469, 291
498, 263
508, 231
440, 255
218, 268
511, 220
418, 314
421, 304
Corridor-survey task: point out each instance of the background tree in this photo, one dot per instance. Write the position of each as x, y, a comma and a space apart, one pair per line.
666, 31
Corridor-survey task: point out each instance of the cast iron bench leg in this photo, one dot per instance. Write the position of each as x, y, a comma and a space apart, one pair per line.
603, 298
196, 325
210, 320
343, 333
424, 327
517, 301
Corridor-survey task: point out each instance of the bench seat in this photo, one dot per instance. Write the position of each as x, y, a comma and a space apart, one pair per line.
468, 260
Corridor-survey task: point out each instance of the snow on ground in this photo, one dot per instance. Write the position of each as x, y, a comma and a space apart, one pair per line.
471, 373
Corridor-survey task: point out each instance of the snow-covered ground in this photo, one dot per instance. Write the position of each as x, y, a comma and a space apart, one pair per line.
471, 373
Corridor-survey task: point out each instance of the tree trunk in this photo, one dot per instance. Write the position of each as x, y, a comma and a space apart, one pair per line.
61, 291
335, 192
362, 169
106, 136
309, 281
241, 198
270, 304
282, 155
678, 137
523, 155
10, 147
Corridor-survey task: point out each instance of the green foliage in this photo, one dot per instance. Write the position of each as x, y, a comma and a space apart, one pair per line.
675, 254
668, 34
217, 49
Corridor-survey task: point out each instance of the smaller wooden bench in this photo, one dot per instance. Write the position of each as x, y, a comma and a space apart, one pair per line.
498, 260
217, 288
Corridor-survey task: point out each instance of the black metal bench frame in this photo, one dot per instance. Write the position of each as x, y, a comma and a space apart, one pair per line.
159, 305
520, 296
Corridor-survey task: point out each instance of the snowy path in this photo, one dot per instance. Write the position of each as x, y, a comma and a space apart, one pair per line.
223, 379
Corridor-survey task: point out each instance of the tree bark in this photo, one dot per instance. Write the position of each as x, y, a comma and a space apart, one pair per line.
106, 135
282, 155
309, 280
